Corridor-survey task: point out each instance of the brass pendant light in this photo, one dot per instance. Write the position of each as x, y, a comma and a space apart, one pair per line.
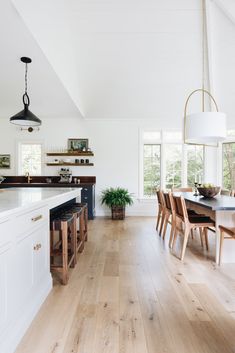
205, 127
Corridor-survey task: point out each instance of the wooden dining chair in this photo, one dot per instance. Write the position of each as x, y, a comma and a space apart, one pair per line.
189, 222
161, 211
230, 232
182, 189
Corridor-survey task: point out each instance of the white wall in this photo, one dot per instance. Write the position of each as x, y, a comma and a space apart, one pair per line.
116, 148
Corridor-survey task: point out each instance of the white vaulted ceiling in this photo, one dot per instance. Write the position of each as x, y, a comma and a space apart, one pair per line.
114, 59
121, 58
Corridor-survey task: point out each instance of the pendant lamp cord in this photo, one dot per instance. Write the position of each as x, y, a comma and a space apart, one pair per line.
203, 54
26, 100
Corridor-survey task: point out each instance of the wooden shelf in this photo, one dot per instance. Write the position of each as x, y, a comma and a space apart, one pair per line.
71, 154
70, 164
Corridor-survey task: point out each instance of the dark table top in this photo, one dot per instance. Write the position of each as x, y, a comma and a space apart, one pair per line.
217, 203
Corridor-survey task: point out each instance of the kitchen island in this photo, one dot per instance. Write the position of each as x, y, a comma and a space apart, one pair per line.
25, 278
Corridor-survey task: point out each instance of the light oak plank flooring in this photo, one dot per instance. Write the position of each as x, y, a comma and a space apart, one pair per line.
129, 294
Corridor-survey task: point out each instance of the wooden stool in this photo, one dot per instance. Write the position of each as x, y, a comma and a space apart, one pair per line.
80, 212
230, 231
65, 224
85, 217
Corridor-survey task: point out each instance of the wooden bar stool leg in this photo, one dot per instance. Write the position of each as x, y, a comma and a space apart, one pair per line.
81, 231
86, 223
73, 241
221, 245
64, 253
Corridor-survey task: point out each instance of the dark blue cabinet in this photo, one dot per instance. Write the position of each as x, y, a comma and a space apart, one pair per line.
88, 196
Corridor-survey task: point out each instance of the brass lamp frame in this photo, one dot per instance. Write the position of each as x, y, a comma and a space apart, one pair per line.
203, 109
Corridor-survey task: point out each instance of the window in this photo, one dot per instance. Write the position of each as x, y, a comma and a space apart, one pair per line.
30, 158
195, 164
229, 165
152, 169
173, 165
167, 163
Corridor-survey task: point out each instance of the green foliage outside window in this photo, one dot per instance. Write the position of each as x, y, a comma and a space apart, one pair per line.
152, 167
229, 166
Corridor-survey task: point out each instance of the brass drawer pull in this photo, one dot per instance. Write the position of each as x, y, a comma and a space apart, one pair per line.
37, 247
35, 219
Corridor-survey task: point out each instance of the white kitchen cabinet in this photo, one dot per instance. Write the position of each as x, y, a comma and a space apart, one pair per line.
25, 278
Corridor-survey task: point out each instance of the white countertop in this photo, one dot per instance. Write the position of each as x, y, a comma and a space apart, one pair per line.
16, 199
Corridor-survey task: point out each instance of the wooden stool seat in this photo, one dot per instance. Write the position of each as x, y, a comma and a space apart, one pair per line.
64, 223
230, 231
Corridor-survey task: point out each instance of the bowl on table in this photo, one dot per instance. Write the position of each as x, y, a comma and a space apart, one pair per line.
209, 192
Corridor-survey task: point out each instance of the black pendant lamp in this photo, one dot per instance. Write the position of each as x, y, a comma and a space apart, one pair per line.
25, 117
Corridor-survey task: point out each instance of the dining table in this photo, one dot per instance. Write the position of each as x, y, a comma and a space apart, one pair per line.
221, 209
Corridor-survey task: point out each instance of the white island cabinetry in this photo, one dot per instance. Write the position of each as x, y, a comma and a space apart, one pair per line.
25, 278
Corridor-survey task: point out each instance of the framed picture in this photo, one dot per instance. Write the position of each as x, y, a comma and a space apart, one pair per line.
5, 161
77, 144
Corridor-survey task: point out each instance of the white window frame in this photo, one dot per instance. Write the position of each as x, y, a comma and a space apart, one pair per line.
163, 144
18, 153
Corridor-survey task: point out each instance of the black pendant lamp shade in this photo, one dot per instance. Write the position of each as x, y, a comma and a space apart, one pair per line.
25, 117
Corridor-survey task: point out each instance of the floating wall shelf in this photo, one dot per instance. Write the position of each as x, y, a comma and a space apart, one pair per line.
70, 164
71, 154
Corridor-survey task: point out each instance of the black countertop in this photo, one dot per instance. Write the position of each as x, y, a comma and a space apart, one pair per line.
41, 185
217, 203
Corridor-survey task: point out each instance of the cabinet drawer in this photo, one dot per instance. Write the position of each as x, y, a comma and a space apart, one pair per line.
32, 219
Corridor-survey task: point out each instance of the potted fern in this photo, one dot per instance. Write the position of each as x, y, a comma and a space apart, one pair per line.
117, 199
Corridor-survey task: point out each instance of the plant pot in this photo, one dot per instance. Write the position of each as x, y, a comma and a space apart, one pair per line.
118, 212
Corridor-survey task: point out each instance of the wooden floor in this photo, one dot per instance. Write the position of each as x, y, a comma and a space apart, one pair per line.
128, 294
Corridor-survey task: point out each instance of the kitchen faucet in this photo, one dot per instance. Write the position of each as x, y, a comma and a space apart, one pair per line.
28, 177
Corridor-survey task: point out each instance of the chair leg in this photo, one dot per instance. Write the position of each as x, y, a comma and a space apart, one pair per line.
185, 241
162, 223
173, 226
201, 236
221, 245
165, 226
158, 217
206, 238
192, 235
174, 238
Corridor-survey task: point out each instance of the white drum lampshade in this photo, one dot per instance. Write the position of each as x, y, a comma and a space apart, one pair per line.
206, 128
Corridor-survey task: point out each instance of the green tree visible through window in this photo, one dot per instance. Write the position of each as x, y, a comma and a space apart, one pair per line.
152, 169
195, 157
229, 165
173, 157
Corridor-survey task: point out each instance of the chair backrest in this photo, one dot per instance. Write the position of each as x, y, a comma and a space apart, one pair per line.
180, 208
182, 189
160, 198
169, 201
233, 193
225, 192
